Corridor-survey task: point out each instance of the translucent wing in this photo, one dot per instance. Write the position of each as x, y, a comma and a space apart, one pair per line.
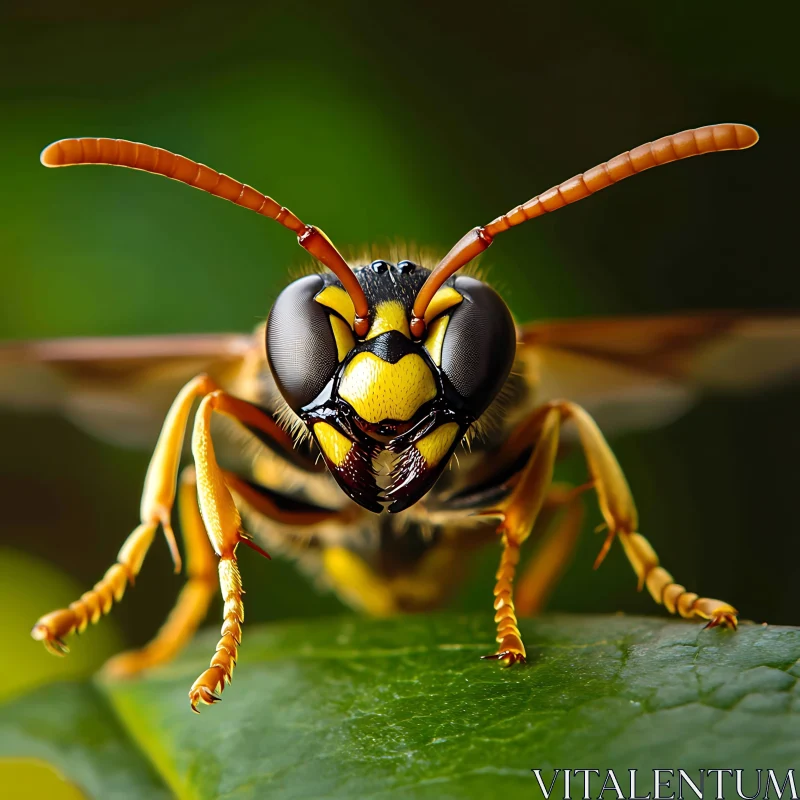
640, 372
119, 388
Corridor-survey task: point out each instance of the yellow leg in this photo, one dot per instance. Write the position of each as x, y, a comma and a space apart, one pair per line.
195, 597
619, 512
224, 528
510, 648
547, 564
517, 516
53, 627
520, 510
156, 508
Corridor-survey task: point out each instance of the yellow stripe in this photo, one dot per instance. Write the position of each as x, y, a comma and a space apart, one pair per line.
357, 583
335, 445
435, 339
443, 299
343, 336
378, 390
390, 315
435, 445
338, 299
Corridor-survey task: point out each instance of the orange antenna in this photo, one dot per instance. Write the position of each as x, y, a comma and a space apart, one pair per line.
694, 142
122, 153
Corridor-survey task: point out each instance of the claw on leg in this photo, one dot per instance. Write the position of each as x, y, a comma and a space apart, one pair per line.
723, 616
43, 632
224, 527
510, 657
510, 648
205, 689
53, 628
518, 515
157, 500
520, 510
193, 600
673, 596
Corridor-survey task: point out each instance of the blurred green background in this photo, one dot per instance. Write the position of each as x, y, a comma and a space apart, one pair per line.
415, 122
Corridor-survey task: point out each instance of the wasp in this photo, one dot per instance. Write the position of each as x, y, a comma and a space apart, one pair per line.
326, 434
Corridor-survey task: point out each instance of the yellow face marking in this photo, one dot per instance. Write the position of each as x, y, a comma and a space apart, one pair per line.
435, 339
343, 336
378, 390
443, 299
389, 316
434, 446
335, 445
338, 299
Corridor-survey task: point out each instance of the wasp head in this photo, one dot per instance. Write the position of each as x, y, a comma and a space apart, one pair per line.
388, 398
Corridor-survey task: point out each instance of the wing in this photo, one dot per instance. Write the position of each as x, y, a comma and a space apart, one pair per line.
120, 389
640, 372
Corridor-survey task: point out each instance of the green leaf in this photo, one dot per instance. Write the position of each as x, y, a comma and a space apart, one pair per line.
405, 708
71, 727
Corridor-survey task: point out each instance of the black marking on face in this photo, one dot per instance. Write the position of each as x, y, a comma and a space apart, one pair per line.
390, 346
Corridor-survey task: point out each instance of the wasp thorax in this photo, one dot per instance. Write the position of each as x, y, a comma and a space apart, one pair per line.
387, 391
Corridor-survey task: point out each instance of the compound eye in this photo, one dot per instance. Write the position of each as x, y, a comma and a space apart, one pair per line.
406, 266
301, 346
479, 345
379, 266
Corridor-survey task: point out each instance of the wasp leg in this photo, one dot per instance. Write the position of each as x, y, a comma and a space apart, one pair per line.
619, 512
559, 538
157, 500
521, 509
195, 597
250, 499
224, 528
517, 515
